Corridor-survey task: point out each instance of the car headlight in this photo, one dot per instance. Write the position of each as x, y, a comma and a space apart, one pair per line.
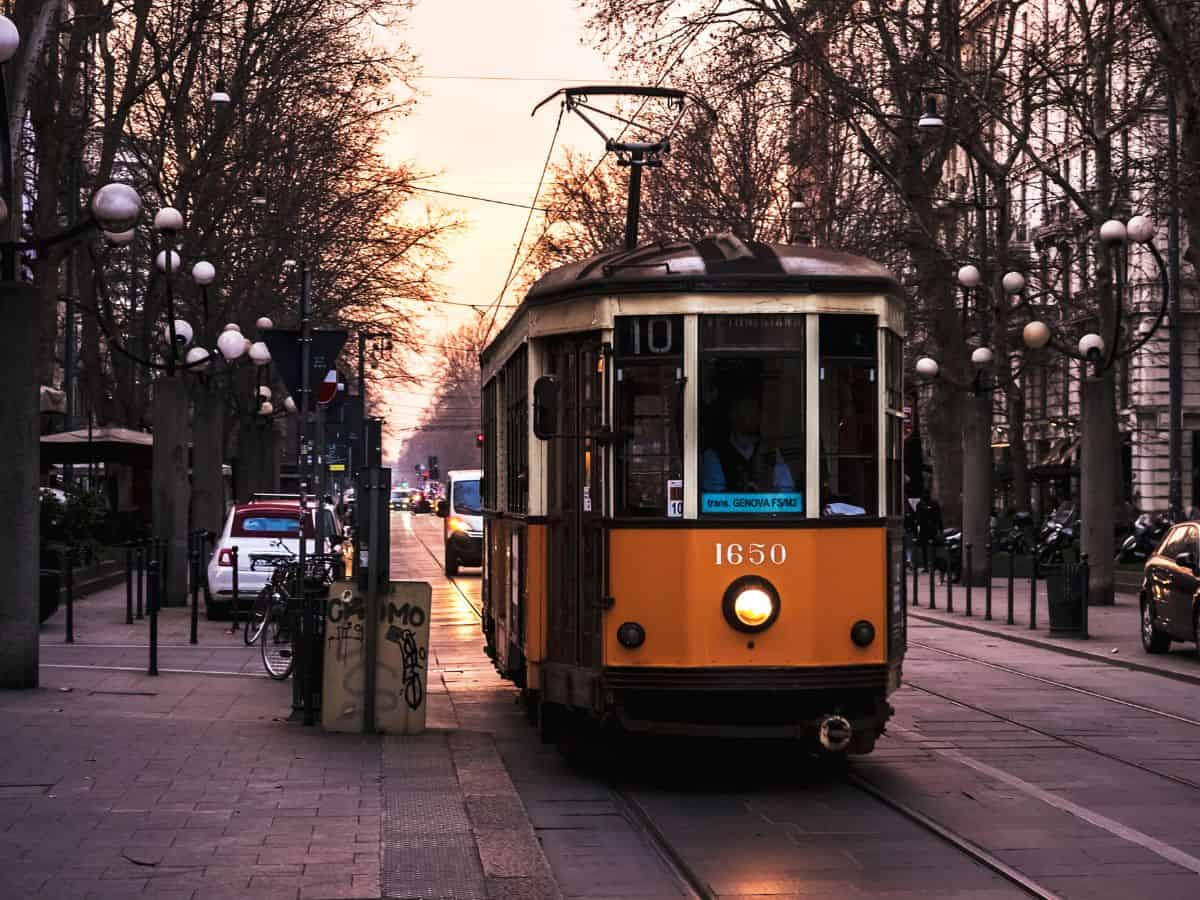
751, 604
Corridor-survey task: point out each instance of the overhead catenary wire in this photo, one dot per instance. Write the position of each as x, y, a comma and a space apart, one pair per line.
512, 268
667, 69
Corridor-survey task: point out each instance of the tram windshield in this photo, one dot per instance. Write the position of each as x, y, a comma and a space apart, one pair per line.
752, 415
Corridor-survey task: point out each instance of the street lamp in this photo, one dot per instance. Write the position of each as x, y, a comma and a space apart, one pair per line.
930, 120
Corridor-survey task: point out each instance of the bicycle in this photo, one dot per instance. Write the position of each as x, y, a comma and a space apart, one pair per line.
274, 620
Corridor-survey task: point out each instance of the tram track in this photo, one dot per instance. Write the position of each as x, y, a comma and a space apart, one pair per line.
694, 885
1000, 667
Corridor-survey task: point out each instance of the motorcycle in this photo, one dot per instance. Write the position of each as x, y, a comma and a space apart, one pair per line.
1060, 532
1148, 531
1018, 538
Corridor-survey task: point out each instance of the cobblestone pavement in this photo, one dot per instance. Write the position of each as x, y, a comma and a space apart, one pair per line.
1078, 774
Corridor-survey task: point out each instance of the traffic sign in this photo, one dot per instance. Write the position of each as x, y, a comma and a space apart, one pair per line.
284, 344
328, 388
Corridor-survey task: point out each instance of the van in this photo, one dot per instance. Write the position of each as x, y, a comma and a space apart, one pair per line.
462, 510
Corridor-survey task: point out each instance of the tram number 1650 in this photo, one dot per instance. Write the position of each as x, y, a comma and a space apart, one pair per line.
750, 554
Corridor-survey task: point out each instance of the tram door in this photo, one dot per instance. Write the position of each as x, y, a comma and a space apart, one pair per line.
577, 494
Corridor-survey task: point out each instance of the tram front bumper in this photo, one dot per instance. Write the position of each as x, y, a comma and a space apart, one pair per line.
749, 702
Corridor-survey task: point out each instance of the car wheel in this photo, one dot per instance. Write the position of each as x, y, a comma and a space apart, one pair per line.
1153, 640
451, 562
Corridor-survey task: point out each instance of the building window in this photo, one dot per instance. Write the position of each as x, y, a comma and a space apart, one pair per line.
490, 449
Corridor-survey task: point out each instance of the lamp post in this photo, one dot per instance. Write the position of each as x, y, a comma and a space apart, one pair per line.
1098, 454
363, 337
114, 207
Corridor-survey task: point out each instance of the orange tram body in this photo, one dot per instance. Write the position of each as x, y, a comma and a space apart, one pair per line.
693, 494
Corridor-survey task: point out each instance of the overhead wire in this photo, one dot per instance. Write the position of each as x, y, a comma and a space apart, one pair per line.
667, 69
525, 229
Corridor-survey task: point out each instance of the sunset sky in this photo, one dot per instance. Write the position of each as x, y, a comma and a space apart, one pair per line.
486, 65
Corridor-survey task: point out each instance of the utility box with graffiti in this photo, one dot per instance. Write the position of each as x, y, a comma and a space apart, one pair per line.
402, 656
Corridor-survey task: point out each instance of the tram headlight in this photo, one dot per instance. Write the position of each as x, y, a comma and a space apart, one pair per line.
751, 604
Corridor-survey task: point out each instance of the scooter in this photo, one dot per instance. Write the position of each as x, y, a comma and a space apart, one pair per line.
1148, 531
1060, 532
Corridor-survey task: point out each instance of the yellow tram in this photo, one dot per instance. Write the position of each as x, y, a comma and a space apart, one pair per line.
693, 493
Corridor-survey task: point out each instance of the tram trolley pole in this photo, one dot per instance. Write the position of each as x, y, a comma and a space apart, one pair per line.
987, 596
152, 587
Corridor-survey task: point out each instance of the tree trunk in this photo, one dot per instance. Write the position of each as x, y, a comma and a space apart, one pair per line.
208, 444
1017, 451
19, 545
977, 483
170, 483
944, 425
1098, 475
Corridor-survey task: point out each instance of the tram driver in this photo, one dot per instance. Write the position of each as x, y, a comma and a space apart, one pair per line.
742, 463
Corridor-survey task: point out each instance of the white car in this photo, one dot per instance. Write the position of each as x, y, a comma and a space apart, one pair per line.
263, 528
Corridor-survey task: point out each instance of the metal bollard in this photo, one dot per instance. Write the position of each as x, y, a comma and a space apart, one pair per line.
1033, 575
987, 597
194, 554
140, 561
233, 607
932, 599
1011, 569
152, 598
949, 586
69, 578
128, 584
969, 577
916, 593
1084, 573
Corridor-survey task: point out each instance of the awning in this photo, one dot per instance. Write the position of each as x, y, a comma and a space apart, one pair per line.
107, 445
1063, 452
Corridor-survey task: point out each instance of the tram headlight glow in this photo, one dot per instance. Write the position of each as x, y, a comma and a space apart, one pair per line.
751, 604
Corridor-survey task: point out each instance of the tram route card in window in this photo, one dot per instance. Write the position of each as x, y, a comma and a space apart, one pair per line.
674, 498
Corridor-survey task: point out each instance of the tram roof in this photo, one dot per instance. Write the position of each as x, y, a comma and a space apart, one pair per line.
720, 263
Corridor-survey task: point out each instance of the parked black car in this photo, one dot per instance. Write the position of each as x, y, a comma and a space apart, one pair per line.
1170, 597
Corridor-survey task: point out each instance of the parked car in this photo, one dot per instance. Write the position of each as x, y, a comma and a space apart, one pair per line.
463, 511
262, 528
1170, 596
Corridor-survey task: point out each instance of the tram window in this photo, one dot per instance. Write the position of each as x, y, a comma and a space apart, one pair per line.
649, 415
849, 397
752, 415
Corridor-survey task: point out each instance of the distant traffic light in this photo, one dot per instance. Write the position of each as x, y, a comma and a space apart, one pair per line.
479, 439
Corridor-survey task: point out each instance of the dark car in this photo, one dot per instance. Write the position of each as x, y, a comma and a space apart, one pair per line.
1171, 590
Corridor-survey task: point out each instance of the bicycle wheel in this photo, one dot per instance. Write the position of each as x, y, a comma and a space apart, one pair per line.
277, 643
257, 620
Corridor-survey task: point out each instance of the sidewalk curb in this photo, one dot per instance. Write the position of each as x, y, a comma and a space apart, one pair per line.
1058, 648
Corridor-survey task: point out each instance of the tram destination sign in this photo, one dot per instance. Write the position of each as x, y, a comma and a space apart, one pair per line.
752, 503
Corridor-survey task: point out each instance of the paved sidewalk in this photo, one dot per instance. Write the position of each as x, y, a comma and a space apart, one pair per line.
194, 785
1114, 635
